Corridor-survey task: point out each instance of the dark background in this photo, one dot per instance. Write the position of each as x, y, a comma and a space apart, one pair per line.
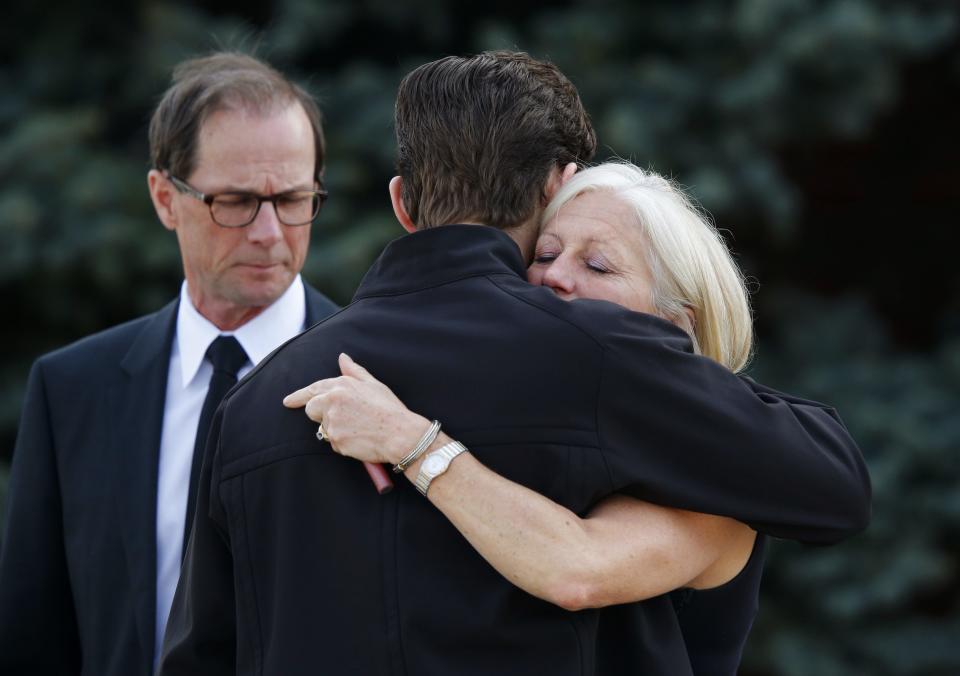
821, 135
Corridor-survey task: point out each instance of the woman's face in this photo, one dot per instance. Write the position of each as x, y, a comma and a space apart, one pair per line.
593, 248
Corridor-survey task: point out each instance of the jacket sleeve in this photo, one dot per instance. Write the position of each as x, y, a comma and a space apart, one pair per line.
38, 626
681, 430
200, 636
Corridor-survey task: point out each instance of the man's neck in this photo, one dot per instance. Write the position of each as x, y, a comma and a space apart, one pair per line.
525, 235
224, 316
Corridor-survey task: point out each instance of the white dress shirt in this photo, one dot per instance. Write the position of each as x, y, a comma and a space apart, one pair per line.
187, 381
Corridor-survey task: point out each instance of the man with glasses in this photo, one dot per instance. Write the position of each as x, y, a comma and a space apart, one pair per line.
109, 448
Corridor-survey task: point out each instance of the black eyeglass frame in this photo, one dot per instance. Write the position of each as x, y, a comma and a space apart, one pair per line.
320, 196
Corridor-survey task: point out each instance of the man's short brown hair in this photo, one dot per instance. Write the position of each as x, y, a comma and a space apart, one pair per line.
477, 137
221, 81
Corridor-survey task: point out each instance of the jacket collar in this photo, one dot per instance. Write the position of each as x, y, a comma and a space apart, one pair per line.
439, 255
154, 340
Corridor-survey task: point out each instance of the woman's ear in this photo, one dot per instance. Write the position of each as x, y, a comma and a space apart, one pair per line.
686, 319
400, 211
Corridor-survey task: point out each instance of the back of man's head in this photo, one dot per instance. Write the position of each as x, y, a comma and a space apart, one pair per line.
206, 85
478, 136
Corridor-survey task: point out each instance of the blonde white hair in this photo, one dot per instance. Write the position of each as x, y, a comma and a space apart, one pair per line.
689, 261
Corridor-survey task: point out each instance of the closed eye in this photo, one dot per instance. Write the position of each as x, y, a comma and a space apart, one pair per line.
295, 197
231, 199
597, 266
545, 257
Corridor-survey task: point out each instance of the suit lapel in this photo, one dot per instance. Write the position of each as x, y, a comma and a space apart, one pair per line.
137, 404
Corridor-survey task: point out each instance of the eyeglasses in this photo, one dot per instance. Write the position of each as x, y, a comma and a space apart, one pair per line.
239, 209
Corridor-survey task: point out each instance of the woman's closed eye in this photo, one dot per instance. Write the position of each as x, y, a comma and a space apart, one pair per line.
544, 257
597, 265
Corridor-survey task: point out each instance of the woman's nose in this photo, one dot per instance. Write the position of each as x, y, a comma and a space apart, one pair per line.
559, 278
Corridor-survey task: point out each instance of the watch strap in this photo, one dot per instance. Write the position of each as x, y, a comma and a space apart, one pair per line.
447, 453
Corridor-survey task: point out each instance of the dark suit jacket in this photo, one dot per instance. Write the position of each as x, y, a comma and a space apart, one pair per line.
299, 567
78, 566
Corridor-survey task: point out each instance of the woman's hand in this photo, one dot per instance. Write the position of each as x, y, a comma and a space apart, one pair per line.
362, 417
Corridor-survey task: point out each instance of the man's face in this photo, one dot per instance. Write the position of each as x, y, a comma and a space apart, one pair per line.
236, 272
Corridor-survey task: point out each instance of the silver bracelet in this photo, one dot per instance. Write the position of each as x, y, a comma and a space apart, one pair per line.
428, 438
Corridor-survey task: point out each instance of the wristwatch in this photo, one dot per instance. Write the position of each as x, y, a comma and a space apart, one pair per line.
436, 464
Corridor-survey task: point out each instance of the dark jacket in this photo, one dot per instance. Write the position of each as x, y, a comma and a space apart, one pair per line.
301, 568
78, 566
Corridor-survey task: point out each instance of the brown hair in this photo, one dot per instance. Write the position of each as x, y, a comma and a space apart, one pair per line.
477, 137
224, 80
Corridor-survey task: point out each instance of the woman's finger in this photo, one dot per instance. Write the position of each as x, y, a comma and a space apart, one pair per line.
316, 408
304, 394
348, 367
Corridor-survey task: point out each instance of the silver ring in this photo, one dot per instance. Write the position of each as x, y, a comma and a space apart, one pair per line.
321, 433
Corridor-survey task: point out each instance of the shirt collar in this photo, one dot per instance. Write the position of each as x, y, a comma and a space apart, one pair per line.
278, 323
438, 255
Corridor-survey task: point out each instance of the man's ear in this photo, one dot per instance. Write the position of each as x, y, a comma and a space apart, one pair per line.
396, 199
161, 194
556, 179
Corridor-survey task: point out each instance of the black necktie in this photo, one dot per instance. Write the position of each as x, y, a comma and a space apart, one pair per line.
227, 357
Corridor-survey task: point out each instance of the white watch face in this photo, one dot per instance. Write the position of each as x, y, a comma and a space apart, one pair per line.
434, 464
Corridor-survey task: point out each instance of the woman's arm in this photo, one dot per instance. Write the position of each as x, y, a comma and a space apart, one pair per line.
624, 550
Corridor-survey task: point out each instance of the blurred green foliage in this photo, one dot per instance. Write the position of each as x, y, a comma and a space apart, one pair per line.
887, 602
817, 132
